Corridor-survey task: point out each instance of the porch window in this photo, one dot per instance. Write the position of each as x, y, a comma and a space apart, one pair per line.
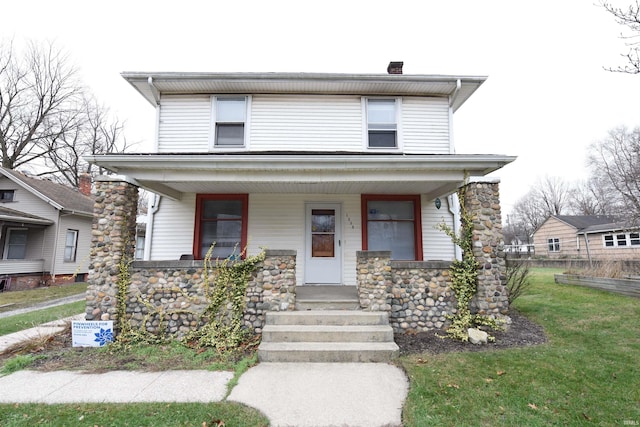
230, 121
16, 247
392, 223
554, 244
221, 220
70, 246
382, 123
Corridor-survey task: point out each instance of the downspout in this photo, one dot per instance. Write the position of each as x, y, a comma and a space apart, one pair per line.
454, 208
156, 96
586, 241
454, 203
55, 248
154, 206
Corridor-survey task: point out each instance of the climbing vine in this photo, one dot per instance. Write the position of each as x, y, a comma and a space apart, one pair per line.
225, 287
464, 278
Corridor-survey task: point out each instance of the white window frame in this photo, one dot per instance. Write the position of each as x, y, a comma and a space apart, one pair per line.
247, 123
8, 239
631, 240
73, 247
553, 244
365, 123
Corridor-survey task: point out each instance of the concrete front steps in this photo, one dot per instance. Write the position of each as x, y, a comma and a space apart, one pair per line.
327, 336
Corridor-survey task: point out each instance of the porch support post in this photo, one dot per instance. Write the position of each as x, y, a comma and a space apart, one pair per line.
112, 242
374, 280
482, 202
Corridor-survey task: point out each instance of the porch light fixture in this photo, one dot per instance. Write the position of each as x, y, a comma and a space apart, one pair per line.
438, 203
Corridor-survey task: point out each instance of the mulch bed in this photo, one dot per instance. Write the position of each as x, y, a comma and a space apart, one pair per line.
521, 333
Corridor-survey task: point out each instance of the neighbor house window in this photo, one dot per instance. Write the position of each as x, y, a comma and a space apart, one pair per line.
6, 195
382, 124
608, 241
392, 223
621, 240
16, 246
70, 246
230, 121
221, 222
554, 244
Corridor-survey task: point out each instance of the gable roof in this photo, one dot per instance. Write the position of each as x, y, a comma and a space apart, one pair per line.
583, 221
59, 196
151, 85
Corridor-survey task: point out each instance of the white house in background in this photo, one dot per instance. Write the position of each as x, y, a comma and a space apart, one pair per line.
45, 231
323, 164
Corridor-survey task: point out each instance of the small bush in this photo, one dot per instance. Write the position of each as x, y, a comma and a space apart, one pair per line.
518, 276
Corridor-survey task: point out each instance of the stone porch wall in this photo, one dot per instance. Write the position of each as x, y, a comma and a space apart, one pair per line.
416, 294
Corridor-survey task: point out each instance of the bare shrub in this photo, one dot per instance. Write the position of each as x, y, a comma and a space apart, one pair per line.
518, 276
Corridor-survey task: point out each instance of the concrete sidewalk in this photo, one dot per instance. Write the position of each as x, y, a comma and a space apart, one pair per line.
44, 304
289, 394
44, 330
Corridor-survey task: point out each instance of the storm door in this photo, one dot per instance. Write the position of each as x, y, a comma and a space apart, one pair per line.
323, 260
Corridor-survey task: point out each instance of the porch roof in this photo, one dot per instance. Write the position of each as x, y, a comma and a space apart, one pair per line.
13, 216
172, 175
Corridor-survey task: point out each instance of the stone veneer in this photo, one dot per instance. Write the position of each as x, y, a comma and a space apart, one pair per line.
416, 294
112, 241
482, 200
167, 296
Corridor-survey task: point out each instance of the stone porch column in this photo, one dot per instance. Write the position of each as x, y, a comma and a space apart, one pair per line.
112, 242
482, 201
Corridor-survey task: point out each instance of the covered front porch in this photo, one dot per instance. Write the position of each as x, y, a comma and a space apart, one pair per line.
415, 294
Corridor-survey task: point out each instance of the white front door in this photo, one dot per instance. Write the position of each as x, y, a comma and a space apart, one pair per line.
323, 261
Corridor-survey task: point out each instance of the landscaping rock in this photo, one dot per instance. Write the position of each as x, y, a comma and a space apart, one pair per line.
476, 336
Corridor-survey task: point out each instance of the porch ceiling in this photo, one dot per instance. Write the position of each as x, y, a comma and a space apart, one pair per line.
172, 175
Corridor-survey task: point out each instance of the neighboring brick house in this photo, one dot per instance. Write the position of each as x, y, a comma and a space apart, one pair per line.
45, 231
586, 236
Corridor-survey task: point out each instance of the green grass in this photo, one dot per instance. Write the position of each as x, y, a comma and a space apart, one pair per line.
132, 414
23, 321
19, 299
587, 374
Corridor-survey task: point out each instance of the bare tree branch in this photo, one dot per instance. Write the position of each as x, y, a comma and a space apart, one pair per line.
628, 17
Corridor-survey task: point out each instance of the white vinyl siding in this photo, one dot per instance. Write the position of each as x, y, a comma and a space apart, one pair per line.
309, 123
436, 244
281, 225
306, 123
185, 124
173, 227
81, 263
425, 125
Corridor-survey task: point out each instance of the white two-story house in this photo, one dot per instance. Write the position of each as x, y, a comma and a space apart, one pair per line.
323, 164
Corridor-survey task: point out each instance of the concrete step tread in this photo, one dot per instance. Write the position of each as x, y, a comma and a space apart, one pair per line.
327, 328
328, 346
327, 317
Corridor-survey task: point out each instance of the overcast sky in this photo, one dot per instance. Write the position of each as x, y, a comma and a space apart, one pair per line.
547, 97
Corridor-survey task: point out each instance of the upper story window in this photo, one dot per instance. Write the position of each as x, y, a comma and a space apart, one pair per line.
554, 244
382, 123
230, 121
6, 195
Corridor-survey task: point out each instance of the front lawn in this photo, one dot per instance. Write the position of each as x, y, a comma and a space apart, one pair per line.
13, 300
587, 374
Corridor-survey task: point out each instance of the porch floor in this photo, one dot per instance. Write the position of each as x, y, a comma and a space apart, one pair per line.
326, 297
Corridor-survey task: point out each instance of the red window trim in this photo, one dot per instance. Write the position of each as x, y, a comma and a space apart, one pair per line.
417, 214
244, 198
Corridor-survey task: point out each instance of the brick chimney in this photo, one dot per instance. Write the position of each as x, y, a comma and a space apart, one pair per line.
395, 67
84, 184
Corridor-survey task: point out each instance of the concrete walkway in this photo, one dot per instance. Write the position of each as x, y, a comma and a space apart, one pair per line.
289, 394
